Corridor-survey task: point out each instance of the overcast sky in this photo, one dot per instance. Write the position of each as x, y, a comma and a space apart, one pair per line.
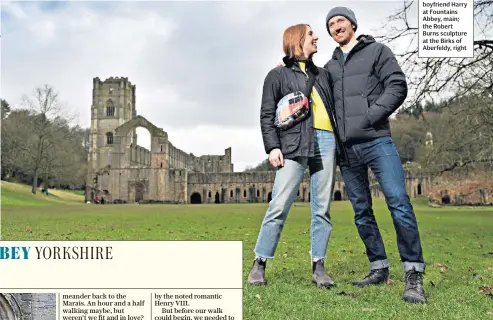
198, 66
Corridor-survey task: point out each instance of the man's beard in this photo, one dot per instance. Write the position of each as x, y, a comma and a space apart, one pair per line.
344, 42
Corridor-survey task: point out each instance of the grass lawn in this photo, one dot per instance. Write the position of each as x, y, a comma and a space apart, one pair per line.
459, 239
14, 194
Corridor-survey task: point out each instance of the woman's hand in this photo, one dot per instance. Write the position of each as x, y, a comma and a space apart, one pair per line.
275, 158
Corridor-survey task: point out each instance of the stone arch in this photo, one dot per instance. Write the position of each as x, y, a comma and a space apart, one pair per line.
238, 194
9, 307
269, 197
195, 198
337, 196
136, 122
216, 197
140, 189
445, 197
137, 190
125, 135
106, 197
419, 189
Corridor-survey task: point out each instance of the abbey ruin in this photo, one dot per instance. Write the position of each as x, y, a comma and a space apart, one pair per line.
27, 306
120, 171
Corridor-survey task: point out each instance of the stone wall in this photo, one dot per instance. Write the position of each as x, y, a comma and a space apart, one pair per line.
177, 181
183, 185
467, 191
43, 306
161, 184
27, 306
179, 159
139, 155
239, 187
230, 187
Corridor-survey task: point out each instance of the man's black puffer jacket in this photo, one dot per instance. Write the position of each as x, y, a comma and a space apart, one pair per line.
368, 87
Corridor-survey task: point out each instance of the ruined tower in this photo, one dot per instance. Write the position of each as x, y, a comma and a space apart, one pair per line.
113, 104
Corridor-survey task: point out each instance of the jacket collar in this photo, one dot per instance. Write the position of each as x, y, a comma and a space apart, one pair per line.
363, 41
293, 63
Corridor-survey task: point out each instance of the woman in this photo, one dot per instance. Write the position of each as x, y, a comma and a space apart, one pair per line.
308, 143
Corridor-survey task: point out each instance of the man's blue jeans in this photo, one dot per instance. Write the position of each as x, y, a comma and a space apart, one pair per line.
288, 178
380, 155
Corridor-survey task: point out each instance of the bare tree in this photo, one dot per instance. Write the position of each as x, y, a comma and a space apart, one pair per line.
16, 141
428, 77
408, 133
66, 157
48, 115
5, 108
462, 136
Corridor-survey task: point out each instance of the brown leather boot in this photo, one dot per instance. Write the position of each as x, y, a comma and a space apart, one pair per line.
257, 273
319, 276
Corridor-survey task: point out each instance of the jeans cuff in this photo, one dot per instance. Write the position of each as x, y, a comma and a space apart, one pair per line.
380, 264
418, 266
316, 258
257, 255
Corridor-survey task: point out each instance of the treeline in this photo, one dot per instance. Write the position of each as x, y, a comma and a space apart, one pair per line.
40, 146
441, 136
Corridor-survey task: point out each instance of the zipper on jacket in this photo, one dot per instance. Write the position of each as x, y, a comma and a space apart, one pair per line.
350, 53
343, 96
305, 75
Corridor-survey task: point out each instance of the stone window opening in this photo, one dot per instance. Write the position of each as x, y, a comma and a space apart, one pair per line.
110, 109
109, 138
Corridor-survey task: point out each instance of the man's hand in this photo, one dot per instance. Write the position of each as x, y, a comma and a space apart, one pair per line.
275, 158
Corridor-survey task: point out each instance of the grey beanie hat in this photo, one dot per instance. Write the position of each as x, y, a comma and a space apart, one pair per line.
341, 11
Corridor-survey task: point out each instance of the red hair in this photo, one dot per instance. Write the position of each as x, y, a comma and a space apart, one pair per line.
293, 40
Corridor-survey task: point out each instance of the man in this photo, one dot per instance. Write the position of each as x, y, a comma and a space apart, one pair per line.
368, 86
